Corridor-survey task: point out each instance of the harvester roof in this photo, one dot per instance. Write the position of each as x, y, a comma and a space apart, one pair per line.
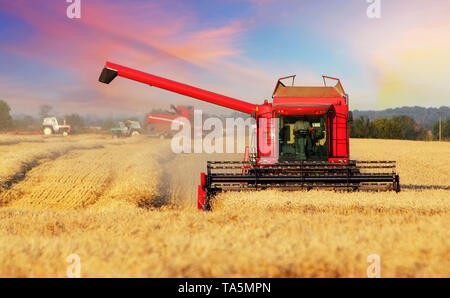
296, 91
281, 90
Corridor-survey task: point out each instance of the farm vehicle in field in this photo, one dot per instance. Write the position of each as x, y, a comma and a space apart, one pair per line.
160, 124
302, 141
51, 126
128, 128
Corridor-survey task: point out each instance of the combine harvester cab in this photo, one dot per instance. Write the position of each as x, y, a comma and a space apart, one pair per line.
302, 141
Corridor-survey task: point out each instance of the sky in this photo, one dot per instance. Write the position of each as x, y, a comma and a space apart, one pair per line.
235, 47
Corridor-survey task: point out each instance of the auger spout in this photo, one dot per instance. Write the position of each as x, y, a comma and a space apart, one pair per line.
112, 70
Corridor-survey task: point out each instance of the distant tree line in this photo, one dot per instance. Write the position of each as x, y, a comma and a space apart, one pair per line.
445, 130
425, 117
397, 127
28, 123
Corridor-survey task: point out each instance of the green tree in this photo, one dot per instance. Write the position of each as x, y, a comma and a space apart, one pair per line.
388, 129
409, 127
362, 128
397, 127
27, 123
423, 134
108, 124
6, 121
75, 121
45, 111
445, 133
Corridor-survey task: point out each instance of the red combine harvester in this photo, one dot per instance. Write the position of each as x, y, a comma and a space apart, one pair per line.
302, 141
160, 124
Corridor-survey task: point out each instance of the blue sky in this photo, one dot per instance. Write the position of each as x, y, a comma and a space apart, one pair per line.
238, 48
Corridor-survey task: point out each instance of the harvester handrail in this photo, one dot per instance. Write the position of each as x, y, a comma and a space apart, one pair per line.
335, 79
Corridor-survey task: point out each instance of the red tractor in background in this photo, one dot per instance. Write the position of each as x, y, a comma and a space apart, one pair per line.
302, 141
160, 124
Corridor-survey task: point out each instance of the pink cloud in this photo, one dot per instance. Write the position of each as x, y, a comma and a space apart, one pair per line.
139, 35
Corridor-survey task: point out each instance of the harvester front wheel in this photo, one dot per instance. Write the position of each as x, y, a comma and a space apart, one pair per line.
397, 183
201, 198
203, 195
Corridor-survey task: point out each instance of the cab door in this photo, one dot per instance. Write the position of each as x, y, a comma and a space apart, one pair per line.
267, 138
339, 134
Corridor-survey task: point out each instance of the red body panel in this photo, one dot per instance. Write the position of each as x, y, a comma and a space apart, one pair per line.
303, 110
161, 119
314, 101
69, 128
162, 123
339, 133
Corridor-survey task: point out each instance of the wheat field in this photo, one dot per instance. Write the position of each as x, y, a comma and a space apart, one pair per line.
127, 209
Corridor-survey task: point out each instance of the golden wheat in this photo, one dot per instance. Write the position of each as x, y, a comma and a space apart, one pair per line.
127, 209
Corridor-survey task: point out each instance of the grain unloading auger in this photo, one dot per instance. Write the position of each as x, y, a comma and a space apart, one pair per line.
302, 141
